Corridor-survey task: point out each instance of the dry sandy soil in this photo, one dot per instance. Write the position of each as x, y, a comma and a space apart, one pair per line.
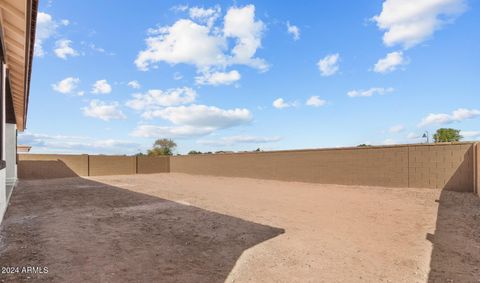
184, 228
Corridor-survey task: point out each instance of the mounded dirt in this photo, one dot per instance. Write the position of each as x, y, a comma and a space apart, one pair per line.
184, 228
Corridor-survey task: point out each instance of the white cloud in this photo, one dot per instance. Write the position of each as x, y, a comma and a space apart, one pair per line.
46, 27
280, 103
294, 31
232, 140
193, 120
470, 134
104, 111
202, 116
134, 84
153, 131
444, 118
156, 98
240, 23
218, 78
173, 44
390, 142
205, 15
370, 92
67, 85
315, 101
410, 22
390, 63
101, 87
328, 66
63, 49
75, 144
396, 128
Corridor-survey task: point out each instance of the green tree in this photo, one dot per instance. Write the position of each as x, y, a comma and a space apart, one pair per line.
194, 152
162, 147
447, 135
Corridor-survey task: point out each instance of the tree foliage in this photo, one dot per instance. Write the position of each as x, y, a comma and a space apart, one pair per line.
162, 147
447, 135
194, 152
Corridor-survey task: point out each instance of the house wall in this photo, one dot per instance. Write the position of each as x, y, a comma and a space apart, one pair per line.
11, 155
477, 168
3, 195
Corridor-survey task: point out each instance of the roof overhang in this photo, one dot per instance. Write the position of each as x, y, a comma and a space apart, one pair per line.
18, 22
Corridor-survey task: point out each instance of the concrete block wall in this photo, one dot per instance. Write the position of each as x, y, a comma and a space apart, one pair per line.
477, 168
442, 166
48, 166
148, 165
100, 165
372, 166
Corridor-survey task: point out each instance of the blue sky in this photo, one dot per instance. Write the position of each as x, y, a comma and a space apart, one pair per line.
237, 75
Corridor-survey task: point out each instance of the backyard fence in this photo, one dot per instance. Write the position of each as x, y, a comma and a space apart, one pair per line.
452, 166
47, 166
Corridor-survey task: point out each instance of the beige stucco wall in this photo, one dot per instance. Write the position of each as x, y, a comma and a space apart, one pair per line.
45, 166
147, 164
111, 165
442, 166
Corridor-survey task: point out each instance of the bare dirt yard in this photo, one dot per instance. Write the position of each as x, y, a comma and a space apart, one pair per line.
184, 228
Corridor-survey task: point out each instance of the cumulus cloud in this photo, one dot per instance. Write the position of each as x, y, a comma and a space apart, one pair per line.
445, 118
280, 103
396, 129
63, 49
134, 84
202, 116
218, 78
315, 101
193, 120
294, 31
156, 98
211, 54
103, 110
101, 87
46, 27
370, 92
205, 15
67, 85
232, 140
329, 65
390, 63
410, 22
43, 143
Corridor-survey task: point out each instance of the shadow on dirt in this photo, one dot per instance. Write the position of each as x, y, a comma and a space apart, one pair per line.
85, 231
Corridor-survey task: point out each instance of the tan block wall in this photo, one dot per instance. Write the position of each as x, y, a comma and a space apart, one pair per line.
148, 165
444, 166
380, 166
46, 166
477, 168
100, 165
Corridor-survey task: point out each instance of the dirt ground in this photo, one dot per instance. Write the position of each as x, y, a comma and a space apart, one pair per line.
184, 228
